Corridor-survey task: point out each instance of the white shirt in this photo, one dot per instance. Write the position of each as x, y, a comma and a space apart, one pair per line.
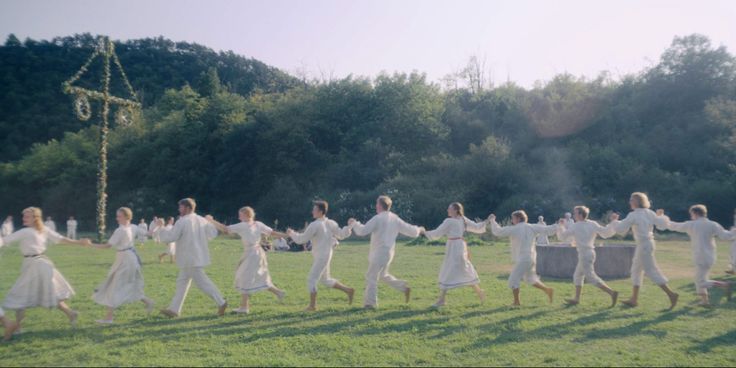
124, 237
191, 234
702, 237
71, 224
51, 225
455, 228
322, 233
582, 234
641, 221
143, 226
384, 228
522, 237
31, 241
7, 228
250, 232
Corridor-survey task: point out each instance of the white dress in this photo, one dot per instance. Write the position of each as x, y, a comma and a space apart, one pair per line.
456, 270
143, 235
40, 284
642, 221
252, 274
124, 283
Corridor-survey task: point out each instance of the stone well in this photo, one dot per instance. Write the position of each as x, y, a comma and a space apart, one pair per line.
558, 260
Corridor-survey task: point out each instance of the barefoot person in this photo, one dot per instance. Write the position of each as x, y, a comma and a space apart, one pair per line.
323, 234
252, 274
9, 326
170, 247
523, 251
641, 220
384, 227
456, 270
40, 284
71, 228
582, 234
192, 234
124, 283
703, 232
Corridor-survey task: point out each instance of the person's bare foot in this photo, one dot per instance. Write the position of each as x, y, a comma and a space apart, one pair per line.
73, 317
571, 302
407, 295
614, 298
351, 294
731, 272
10, 328
310, 309
550, 294
482, 296
280, 295
516, 305
630, 303
169, 313
673, 300
221, 310
149, 307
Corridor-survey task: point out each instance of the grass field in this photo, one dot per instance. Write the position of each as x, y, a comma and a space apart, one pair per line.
463, 333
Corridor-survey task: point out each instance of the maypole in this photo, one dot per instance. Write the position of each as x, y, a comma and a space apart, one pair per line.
126, 108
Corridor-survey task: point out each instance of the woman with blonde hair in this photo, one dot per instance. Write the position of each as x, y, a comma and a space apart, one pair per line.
40, 284
641, 220
252, 274
124, 283
456, 270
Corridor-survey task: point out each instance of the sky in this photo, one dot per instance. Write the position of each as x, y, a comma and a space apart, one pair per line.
522, 40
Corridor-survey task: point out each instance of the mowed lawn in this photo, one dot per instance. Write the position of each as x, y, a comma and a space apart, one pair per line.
463, 333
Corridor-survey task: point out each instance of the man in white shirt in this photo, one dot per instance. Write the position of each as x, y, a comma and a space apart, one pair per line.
323, 233
192, 234
50, 224
71, 228
582, 234
384, 227
703, 232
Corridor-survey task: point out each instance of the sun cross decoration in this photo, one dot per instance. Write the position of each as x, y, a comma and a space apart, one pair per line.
126, 109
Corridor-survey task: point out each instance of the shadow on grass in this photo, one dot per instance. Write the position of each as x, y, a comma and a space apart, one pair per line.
727, 340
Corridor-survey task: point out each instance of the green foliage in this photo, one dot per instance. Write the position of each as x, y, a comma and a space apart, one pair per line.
245, 133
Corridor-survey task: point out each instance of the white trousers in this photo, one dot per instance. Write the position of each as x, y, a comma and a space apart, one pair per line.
523, 270
184, 281
644, 263
702, 282
585, 270
320, 272
379, 261
71, 233
733, 256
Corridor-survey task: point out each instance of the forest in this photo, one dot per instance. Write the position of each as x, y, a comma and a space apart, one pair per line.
232, 131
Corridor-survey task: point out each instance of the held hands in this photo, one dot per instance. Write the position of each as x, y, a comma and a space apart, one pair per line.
660, 212
85, 242
492, 217
351, 221
209, 218
160, 223
614, 216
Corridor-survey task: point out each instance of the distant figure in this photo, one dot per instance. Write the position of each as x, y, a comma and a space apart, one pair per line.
142, 237
732, 267
170, 247
568, 219
523, 252
71, 228
152, 226
702, 234
124, 283
641, 220
50, 224
7, 227
456, 270
281, 245
542, 239
324, 234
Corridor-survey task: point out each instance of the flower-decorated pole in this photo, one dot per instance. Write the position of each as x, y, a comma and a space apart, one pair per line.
125, 111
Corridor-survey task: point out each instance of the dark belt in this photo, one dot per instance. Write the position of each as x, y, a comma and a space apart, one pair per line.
456, 238
33, 255
132, 249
